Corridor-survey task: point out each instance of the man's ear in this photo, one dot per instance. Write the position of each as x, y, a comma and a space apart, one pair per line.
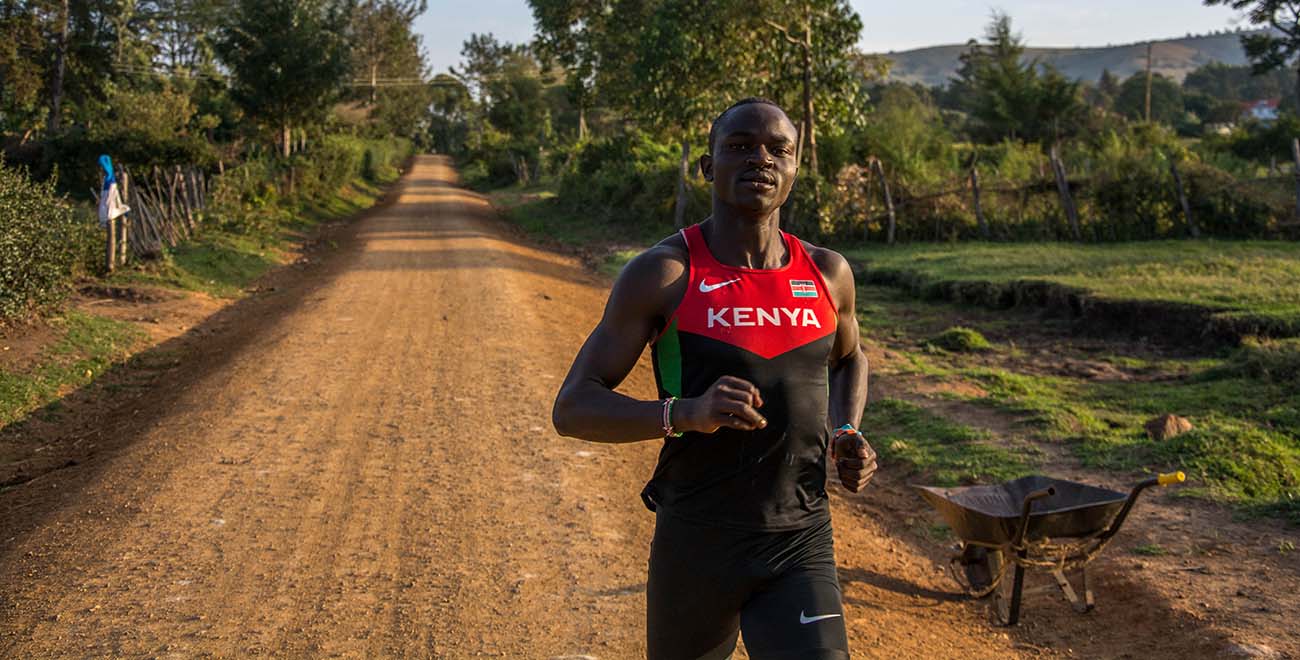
706, 167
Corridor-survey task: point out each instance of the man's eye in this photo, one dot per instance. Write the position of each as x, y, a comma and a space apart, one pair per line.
738, 146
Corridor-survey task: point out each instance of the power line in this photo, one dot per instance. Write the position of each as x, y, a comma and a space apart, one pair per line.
137, 69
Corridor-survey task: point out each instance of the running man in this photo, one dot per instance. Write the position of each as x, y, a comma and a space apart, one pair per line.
756, 355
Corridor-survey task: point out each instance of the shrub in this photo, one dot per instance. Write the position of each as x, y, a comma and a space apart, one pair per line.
246, 198
383, 157
960, 340
42, 242
630, 179
329, 164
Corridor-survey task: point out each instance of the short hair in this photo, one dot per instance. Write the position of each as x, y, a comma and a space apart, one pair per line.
749, 100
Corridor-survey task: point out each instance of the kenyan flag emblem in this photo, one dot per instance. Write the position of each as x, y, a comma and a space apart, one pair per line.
803, 288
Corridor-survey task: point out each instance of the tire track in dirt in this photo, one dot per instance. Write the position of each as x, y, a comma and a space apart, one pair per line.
363, 466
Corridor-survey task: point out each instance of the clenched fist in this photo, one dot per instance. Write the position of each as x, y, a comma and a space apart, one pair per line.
855, 460
731, 402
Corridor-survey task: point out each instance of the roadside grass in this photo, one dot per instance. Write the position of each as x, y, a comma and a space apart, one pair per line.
1259, 279
941, 452
222, 262
1245, 447
88, 346
542, 215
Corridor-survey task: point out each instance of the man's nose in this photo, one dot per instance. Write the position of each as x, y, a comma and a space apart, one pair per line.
760, 156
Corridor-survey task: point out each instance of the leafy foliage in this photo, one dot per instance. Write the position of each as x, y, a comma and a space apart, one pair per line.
1009, 97
42, 241
287, 58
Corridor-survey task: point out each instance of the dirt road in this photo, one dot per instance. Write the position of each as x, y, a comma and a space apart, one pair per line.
361, 464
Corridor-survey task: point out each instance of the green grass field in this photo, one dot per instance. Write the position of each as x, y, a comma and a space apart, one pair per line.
1256, 277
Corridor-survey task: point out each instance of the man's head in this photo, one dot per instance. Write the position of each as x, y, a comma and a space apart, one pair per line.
751, 160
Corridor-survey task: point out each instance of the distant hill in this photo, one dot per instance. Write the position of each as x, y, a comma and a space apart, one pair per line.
1175, 58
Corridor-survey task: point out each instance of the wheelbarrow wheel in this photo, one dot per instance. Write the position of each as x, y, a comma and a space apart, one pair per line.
982, 568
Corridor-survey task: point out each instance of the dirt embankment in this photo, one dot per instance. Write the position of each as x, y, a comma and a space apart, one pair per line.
359, 462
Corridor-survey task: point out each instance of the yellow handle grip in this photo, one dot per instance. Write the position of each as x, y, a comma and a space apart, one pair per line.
1171, 478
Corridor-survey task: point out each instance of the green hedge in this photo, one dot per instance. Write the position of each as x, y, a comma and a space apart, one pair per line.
43, 240
630, 179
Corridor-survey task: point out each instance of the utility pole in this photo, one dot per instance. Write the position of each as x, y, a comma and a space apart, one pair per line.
1150, 44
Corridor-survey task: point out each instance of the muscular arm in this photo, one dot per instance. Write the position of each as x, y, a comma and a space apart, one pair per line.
587, 406
848, 364
855, 460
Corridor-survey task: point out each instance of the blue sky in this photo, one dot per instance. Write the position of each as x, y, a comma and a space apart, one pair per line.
890, 25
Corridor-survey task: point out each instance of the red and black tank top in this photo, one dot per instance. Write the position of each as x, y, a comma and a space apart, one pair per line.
774, 328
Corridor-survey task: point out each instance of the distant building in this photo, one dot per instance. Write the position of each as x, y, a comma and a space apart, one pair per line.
1264, 111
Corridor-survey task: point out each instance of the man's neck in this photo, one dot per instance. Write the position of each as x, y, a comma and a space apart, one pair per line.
745, 241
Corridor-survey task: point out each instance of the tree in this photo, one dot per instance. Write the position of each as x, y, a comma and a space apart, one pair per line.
381, 33
683, 74
54, 57
1008, 96
1166, 99
1102, 95
287, 59
818, 65
450, 108
386, 54
21, 74
1278, 46
581, 36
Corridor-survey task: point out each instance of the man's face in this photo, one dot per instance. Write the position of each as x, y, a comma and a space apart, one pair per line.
753, 162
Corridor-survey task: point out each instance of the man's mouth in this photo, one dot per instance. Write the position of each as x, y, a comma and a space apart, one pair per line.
759, 179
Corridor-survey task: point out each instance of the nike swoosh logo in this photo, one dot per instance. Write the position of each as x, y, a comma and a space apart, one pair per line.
705, 288
805, 620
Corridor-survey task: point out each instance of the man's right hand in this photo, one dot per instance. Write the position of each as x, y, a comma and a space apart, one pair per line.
731, 402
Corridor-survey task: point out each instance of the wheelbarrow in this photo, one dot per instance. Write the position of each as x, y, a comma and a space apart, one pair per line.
1032, 522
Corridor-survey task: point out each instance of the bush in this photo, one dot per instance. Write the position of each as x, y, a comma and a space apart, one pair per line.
382, 158
140, 129
332, 162
42, 242
960, 340
630, 179
246, 199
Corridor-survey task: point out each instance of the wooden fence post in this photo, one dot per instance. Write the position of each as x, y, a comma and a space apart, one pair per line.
123, 243
1295, 153
110, 236
1067, 201
975, 193
889, 201
1192, 229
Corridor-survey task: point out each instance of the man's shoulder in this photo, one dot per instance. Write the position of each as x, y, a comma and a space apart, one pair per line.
659, 267
830, 262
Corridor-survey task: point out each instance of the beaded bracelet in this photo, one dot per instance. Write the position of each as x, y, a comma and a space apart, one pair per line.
668, 418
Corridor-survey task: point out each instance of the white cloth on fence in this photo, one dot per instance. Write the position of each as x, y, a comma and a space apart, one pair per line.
110, 205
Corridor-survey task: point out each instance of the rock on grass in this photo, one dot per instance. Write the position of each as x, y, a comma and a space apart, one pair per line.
1165, 427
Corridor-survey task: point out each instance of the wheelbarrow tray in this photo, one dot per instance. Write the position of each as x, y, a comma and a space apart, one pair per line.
990, 515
